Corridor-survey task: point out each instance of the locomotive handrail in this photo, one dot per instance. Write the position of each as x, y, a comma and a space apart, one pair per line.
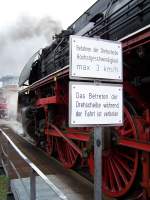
47, 78
134, 33
35, 169
126, 20
118, 17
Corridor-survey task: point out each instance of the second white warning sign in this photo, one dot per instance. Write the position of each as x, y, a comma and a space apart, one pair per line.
93, 104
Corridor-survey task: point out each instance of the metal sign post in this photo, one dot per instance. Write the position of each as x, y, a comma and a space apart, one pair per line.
98, 131
33, 185
95, 105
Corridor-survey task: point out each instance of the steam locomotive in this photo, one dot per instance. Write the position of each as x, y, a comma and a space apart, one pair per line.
43, 104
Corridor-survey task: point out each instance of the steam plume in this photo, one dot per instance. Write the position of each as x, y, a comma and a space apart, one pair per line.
21, 40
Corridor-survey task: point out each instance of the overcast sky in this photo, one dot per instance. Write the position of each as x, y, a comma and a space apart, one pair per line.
28, 25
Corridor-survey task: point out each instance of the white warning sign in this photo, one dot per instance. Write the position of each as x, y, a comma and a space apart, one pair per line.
95, 58
91, 104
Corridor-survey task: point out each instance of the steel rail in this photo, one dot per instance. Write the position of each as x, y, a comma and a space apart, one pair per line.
35, 168
14, 168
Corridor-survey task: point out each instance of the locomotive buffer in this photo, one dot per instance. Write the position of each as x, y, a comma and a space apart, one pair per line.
93, 102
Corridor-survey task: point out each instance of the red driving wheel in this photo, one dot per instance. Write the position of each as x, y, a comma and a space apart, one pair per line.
66, 154
50, 145
120, 164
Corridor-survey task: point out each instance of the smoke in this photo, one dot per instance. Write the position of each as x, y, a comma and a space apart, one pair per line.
29, 27
11, 96
2, 42
22, 39
12, 100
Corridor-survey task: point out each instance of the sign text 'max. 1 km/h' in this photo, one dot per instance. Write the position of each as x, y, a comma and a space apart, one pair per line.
92, 104
95, 58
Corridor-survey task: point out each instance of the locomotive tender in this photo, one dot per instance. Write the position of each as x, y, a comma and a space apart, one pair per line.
43, 105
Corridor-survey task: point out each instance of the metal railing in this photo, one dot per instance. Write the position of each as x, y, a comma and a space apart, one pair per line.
34, 170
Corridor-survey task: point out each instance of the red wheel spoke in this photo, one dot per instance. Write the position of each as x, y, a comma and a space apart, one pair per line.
115, 175
121, 172
127, 157
73, 153
110, 176
125, 166
66, 154
70, 154
119, 163
50, 144
127, 132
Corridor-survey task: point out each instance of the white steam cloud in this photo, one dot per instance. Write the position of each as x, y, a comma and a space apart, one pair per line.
21, 40
12, 105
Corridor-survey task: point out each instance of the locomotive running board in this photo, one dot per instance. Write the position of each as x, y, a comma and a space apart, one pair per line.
134, 144
43, 81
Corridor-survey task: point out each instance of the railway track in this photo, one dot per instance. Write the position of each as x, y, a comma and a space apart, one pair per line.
74, 184
69, 182
66, 180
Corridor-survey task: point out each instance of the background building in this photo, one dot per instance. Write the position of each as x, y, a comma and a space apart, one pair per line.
9, 91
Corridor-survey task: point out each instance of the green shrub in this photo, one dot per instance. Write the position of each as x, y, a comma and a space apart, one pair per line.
3, 187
